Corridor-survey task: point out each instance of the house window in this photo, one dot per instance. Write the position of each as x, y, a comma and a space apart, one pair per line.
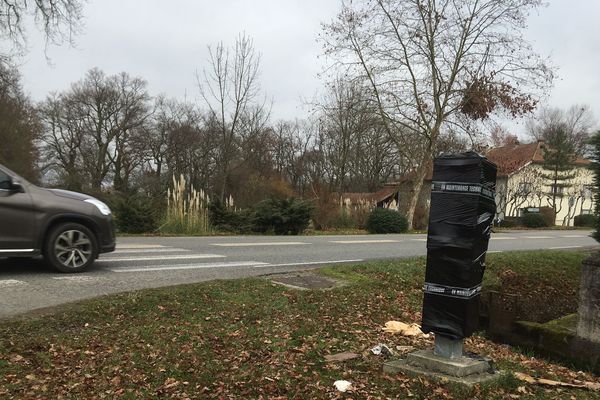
556, 190
525, 188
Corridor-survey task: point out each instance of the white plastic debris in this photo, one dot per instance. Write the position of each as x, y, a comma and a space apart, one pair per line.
342, 386
382, 350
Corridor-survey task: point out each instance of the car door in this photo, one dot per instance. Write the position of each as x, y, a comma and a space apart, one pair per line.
17, 222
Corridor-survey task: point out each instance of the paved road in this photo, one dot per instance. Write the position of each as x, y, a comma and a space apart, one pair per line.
145, 262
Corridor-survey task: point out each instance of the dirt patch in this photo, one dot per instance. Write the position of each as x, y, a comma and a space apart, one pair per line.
306, 281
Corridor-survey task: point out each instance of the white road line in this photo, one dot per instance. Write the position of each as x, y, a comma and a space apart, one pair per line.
138, 246
78, 278
564, 247
494, 251
540, 237
259, 244
165, 250
364, 241
11, 282
308, 263
151, 268
162, 258
503, 238
574, 236
419, 240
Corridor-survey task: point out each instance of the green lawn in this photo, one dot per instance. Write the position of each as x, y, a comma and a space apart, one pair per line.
249, 338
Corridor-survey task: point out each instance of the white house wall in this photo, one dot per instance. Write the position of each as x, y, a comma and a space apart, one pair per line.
527, 188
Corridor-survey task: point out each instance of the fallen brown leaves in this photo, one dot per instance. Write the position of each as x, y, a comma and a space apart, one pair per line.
244, 339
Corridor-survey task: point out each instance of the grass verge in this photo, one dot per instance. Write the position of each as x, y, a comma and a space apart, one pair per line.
252, 339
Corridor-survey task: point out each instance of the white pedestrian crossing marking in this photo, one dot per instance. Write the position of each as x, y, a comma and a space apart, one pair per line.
138, 246
161, 258
78, 278
152, 268
259, 244
164, 250
11, 282
364, 241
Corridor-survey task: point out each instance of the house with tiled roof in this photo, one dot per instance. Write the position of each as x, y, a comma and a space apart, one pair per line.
394, 195
522, 183
386, 197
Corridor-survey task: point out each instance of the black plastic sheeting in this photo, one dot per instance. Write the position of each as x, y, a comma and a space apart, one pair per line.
461, 214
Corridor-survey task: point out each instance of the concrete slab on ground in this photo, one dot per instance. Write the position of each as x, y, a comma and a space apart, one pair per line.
467, 370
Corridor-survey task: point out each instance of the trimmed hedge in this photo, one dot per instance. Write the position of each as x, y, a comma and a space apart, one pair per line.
510, 222
384, 220
282, 216
135, 214
532, 220
585, 220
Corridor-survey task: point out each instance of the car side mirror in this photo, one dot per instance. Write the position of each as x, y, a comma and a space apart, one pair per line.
16, 187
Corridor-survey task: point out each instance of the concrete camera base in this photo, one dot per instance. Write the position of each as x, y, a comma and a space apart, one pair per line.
465, 370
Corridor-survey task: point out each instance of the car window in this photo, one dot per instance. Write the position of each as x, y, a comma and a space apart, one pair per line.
4, 180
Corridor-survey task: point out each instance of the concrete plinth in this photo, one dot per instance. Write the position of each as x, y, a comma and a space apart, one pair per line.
447, 348
588, 326
465, 370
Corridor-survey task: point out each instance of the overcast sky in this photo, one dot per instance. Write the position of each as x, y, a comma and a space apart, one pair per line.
165, 42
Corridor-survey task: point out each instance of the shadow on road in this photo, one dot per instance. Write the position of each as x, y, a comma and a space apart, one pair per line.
24, 266
35, 266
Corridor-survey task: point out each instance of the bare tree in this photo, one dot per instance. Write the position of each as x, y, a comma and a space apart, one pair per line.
60, 20
61, 142
292, 142
499, 137
357, 155
577, 122
231, 91
428, 62
91, 127
19, 125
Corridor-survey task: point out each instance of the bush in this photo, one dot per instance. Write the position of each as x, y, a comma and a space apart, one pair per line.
384, 220
226, 220
586, 220
533, 220
283, 216
510, 222
135, 214
344, 220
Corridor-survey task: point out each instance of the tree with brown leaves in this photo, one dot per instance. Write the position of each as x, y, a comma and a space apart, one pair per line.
433, 65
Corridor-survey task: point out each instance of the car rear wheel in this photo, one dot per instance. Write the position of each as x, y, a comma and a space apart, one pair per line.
71, 247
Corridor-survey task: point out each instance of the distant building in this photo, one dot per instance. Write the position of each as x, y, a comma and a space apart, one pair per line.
521, 184
386, 197
393, 195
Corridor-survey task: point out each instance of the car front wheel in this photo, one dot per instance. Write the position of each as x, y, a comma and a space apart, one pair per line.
71, 247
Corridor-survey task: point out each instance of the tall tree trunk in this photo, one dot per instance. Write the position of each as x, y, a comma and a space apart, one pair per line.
415, 190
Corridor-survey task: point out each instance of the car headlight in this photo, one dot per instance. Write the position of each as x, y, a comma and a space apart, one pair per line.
103, 208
